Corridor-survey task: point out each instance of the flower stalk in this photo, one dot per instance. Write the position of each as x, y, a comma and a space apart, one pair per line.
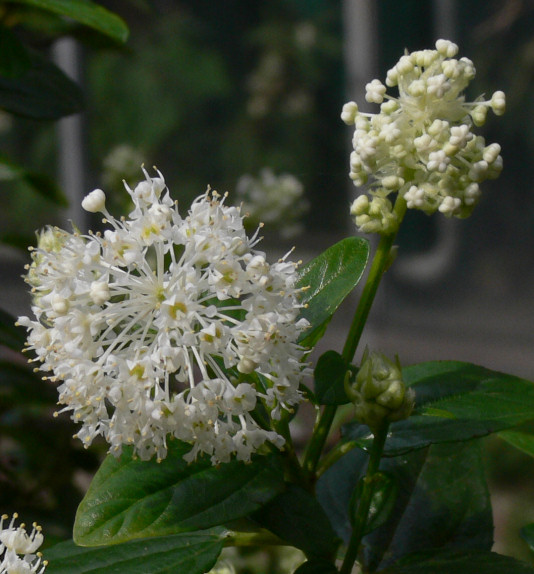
360, 520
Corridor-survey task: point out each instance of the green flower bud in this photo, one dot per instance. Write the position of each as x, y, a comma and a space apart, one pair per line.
378, 392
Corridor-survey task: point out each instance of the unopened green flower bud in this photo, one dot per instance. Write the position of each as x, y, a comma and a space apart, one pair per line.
378, 392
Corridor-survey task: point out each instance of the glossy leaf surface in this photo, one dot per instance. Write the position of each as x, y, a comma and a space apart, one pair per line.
135, 499
455, 401
329, 377
296, 517
85, 12
442, 501
194, 553
329, 278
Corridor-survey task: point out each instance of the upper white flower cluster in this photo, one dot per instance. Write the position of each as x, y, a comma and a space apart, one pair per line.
18, 549
421, 144
274, 200
164, 325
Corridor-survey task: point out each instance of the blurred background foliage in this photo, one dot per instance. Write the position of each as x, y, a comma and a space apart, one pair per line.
209, 91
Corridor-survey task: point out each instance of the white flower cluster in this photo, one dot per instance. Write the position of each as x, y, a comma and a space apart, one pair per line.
421, 144
164, 325
276, 201
18, 549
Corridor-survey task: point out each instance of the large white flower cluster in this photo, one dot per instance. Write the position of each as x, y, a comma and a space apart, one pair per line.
18, 549
421, 143
167, 326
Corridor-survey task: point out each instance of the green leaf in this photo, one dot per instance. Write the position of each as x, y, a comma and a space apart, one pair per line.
11, 335
37, 182
136, 499
459, 563
296, 517
44, 92
329, 377
523, 441
14, 59
192, 553
455, 401
442, 502
329, 278
316, 567
85, 12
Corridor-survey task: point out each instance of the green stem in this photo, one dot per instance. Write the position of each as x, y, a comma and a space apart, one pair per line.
379, 265
360, 520
333, 455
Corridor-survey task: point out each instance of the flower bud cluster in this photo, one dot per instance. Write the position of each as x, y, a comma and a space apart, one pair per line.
421, 144
378, 392
276, 201
18, 549
167, 326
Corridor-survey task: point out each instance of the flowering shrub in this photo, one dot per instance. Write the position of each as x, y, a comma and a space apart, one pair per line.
173, 338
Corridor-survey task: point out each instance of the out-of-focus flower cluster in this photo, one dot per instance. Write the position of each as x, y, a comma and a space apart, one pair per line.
18, 549
276, 201
167, 326
121, 165
421, 144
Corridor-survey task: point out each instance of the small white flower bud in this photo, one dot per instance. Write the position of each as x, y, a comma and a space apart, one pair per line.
491, 153
349, 112
450, 205
498, 103
374, 92
446, 48
392, 182
360, 205
94, 201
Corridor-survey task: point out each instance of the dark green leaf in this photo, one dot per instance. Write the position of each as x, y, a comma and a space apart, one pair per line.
329, 278
39, 183
454, 402
192, 553
471, 562
14, 59
442, 502
382, 500
521, 440
44, 92
10, 335
85, 12
329, 376
316, 567
135, 499
296, 517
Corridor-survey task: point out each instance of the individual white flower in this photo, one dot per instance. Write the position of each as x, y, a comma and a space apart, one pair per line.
422, 139
277, 201
18, 549
166, 325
